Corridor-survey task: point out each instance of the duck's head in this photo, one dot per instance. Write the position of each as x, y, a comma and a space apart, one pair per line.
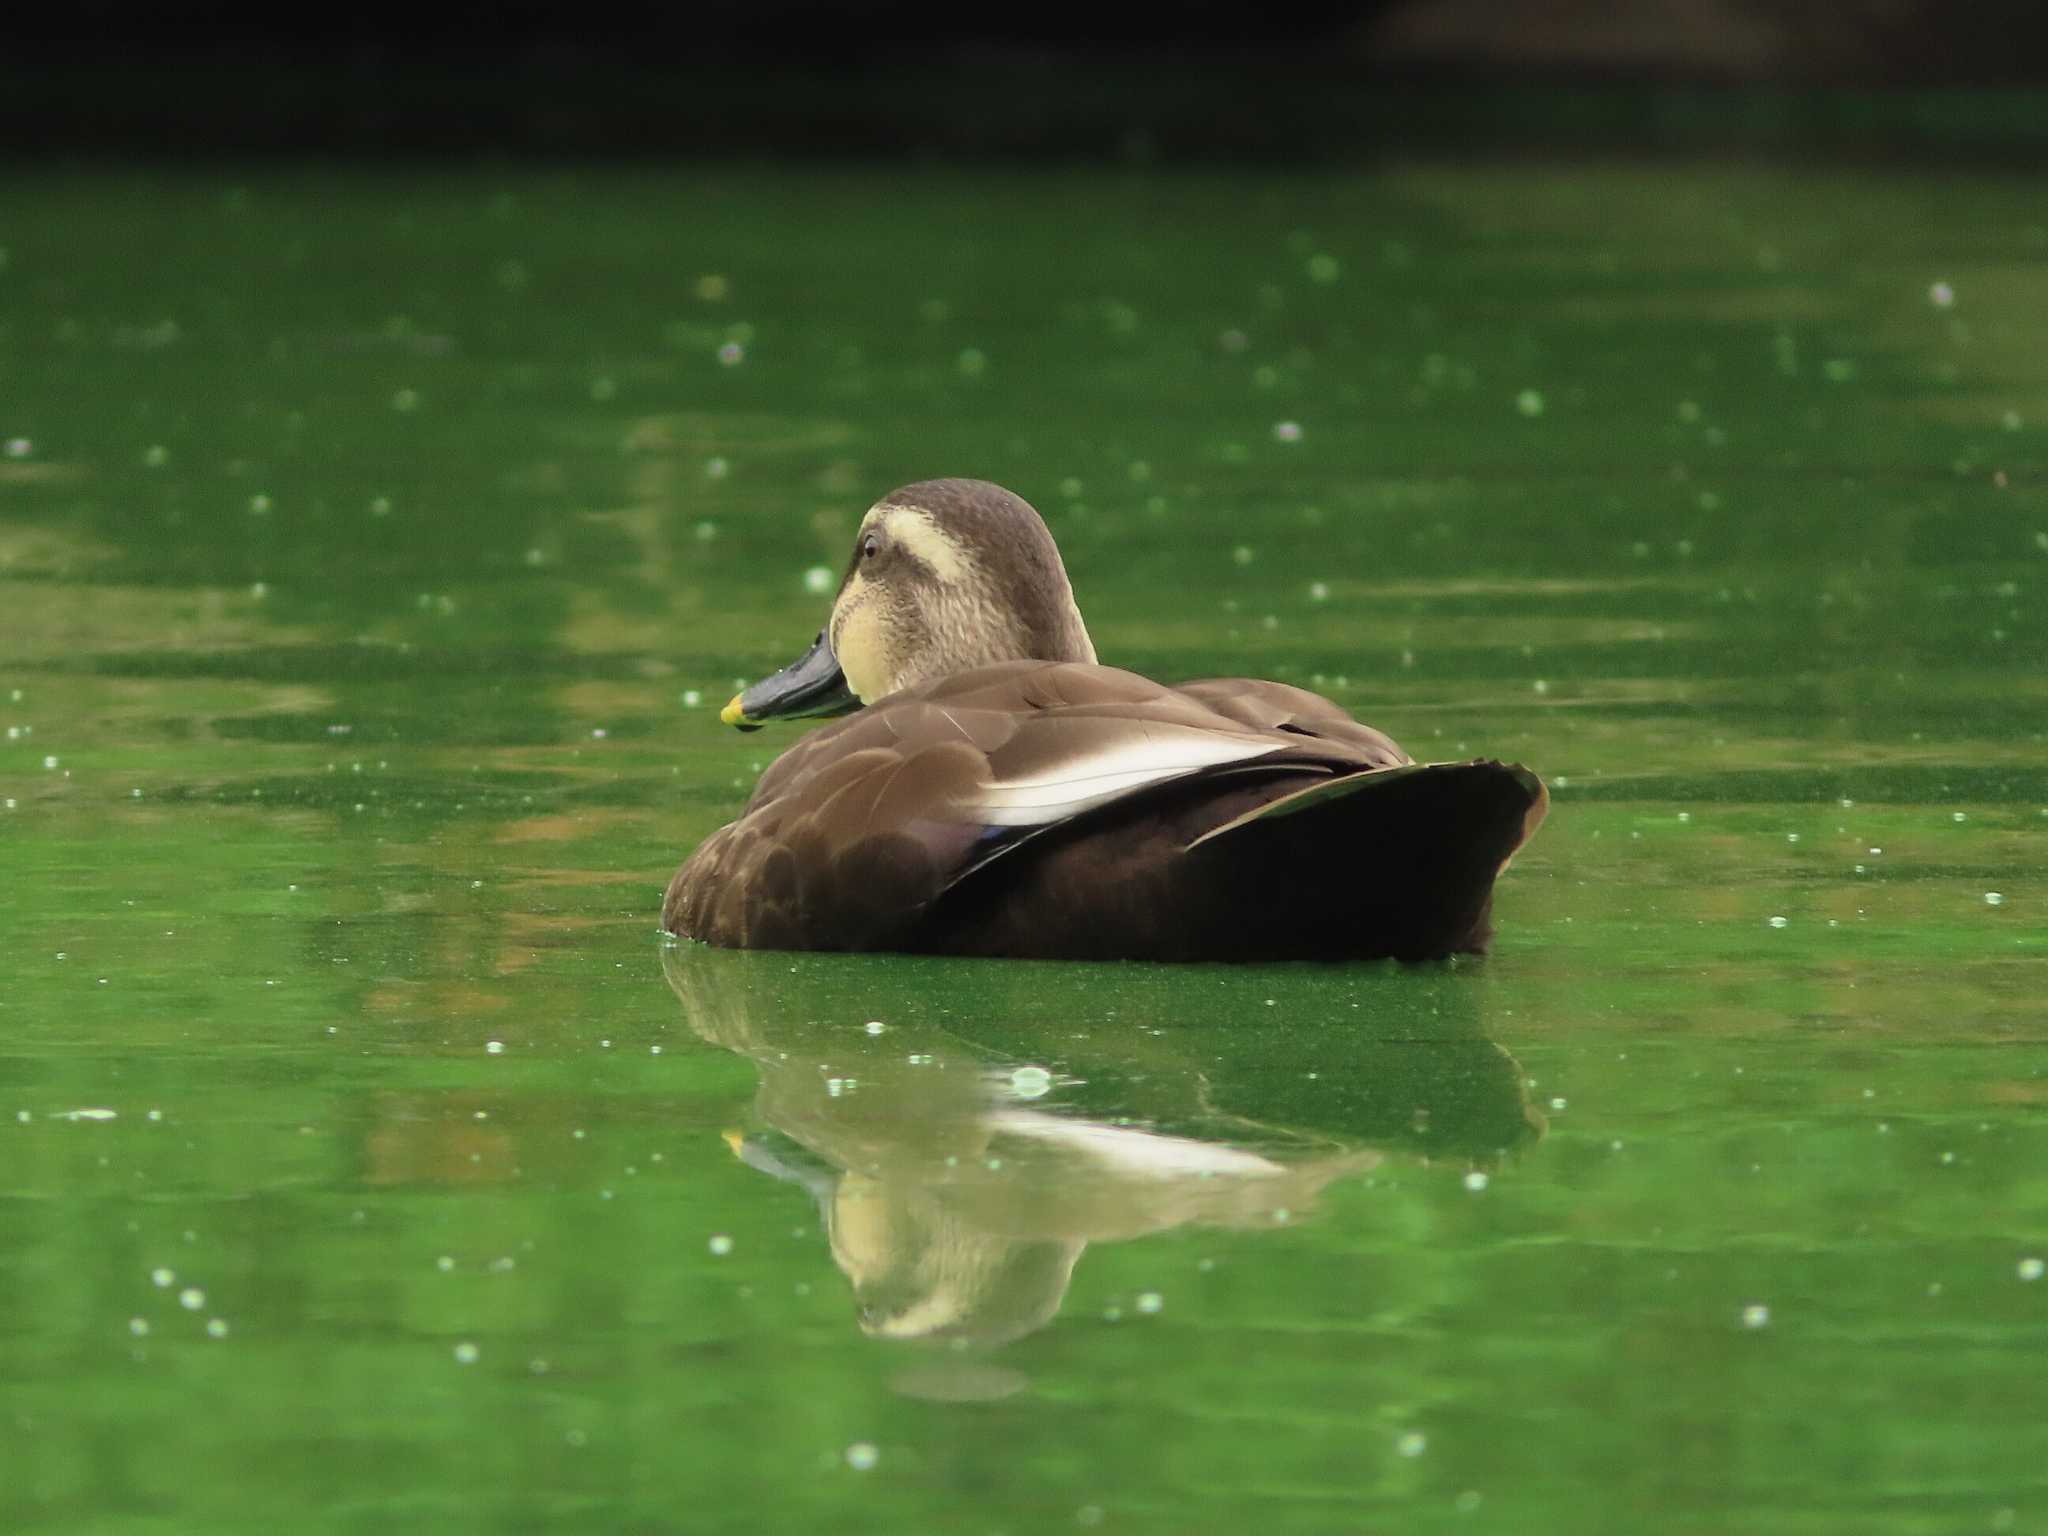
945, 575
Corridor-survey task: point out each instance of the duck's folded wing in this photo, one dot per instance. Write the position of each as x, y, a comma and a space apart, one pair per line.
859, 827
1278, 707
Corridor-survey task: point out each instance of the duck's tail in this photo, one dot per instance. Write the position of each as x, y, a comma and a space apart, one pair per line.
1396, 861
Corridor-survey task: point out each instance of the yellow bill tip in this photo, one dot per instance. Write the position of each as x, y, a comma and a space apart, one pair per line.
732, 714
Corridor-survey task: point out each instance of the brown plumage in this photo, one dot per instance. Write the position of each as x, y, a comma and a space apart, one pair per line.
1054, 807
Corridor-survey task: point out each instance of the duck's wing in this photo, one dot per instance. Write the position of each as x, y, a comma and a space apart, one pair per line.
1278, 707
855, 830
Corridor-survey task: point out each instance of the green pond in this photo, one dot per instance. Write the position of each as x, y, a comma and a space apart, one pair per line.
375, 555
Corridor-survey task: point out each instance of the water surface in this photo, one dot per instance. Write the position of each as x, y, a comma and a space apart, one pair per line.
374, 557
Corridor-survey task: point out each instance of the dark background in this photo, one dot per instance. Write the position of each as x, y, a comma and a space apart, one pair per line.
1303, 80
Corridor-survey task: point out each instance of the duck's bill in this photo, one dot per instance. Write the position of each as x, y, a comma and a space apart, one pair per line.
808, 687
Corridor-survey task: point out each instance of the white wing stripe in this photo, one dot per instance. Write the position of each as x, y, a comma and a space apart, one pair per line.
1083, 783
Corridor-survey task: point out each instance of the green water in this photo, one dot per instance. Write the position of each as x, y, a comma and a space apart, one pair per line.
375, 554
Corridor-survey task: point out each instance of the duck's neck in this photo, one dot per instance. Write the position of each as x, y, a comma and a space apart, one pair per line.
1057, 634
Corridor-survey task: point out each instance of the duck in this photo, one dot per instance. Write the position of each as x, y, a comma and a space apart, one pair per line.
994, 790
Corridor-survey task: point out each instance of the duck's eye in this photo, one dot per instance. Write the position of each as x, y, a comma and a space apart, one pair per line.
870, 547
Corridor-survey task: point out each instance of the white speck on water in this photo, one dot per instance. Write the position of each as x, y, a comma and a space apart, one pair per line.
163, 1279
732, 354
720, 1245
83, 1114
1558, 1105
1685, 816
1243, 554
445, 1263
1030, 1082
1791, 837
1779, 922
1994, 898
156, 456
1540, 686
1414, 1443
19, 447
1476, 1181
259, 504
1319, 591
1756, 1315
1940, 295
139, 1326
1286, 431
216, 1327
875, 1026
49, 762
494, 1047
1874, 851
466, 1353
654, 1050
2031, 1269
1530, 403
1149, 1302
191, 1298
692, 698
862, 1456
1281, 1215
818, 580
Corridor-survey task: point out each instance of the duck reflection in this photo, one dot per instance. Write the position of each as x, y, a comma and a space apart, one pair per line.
963, 1159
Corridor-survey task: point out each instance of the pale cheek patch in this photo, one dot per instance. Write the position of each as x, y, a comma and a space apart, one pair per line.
858, 645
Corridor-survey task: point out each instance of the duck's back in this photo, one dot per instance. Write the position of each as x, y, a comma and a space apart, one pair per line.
1066, 809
